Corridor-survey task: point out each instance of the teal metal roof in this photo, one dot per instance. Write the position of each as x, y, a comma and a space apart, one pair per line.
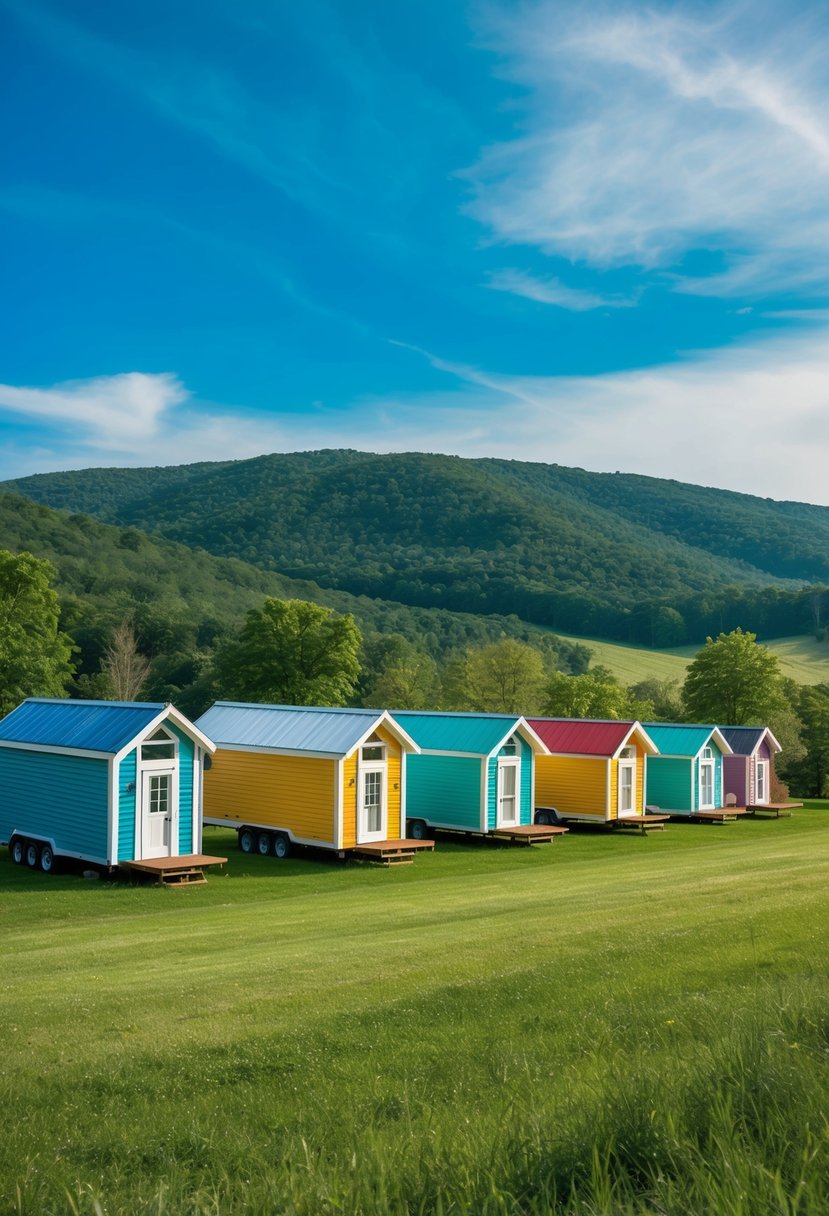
681, 740
478, 734
95, 726
292, 728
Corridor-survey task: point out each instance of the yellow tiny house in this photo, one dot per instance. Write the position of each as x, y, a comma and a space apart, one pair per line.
282, 775
595, 771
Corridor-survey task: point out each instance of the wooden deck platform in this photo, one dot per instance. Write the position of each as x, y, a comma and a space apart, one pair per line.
780, 810
723, 814
641, 823
536, 833
185, 871
391, 852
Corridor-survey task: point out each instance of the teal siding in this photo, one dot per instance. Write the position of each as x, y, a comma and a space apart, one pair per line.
717, 779
444, 790
126, 807
491, 791
63, 798
527, 761
186, 752
669, 783
525, 788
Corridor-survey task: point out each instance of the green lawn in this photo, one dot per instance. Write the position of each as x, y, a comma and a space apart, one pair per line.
612, 1024
801, 658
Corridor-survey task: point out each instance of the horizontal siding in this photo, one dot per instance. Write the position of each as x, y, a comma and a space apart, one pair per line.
573, 785
350, 794
444, 789
735, 770
525, 776
669, 783
527, 808
186, 752
491, 792
394, 825
64, 798
126, 807
290, 792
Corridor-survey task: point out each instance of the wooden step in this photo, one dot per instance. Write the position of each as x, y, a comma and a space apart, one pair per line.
535, 833
641, 823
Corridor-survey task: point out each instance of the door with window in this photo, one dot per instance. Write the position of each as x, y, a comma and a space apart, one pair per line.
509, 791
157, 813
762, 794
371, 795
706, 781
626, 800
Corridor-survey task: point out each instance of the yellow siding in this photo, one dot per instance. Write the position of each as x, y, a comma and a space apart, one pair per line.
613, 797
394, 827
639, 792
573, 784
640, 781
293, 792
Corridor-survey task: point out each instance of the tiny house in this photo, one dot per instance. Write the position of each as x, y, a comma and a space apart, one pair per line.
106, 782
687, 775
592, 770
748, 771
472, 773
285, 774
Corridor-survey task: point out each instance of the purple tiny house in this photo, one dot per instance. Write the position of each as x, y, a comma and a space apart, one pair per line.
747, 774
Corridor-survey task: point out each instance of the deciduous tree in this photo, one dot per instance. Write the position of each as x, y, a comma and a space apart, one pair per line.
34, 654
733, 682
505, 677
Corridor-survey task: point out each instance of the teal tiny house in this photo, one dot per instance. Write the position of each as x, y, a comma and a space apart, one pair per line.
106, 782
686, 777
474, 773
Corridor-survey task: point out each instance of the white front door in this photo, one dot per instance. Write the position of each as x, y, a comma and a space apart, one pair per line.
706, 785
762, 794
371, 808
509, 785
627, 788
157, 813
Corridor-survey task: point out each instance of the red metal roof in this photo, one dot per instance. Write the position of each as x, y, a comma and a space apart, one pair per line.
581, 738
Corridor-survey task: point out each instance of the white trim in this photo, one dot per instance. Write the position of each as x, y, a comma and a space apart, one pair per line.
607, 815
708, 806
273, 827
766, 733
394, 728
485, 794
156, 770
195, 816
364, 768
536, 743
766, 781
437, 751
113, 810
645, 798
184, 725
629, 766
505, 762
403, 811
694, 785
282, 751
339, 781
721, 742
532, 787
58, 751
648, 745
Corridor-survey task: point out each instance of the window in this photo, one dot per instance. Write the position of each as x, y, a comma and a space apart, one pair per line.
627, 753
373, 751
707, 753
510, 748
159, 746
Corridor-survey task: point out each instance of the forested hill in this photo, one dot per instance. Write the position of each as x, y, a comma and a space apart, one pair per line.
612, 555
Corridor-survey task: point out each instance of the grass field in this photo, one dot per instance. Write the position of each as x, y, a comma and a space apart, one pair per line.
801, 658
608, 1025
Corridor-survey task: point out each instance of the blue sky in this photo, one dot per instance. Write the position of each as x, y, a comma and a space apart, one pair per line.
591, 234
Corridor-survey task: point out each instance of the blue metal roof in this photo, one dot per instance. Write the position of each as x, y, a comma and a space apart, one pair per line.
95, 726
478, 734
679, 740
294, 728
743, 739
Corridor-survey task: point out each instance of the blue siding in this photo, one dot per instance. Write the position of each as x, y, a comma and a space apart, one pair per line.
525, 788
527, 760
669, 783
64, 798
186, 751
126, 807
491, 792
445, 790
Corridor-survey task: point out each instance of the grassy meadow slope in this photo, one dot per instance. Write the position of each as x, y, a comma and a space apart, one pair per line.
609, 1025
552, 545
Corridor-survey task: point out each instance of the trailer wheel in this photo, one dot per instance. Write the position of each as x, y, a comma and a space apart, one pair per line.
32, 855
263, 844
418, 829
544, 819
281, 845
47, 859
247, 840
17, 849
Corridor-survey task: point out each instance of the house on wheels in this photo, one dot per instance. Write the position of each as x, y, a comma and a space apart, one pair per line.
748, 771
686, 778
591, 770
328, 778
105, 782
474, 773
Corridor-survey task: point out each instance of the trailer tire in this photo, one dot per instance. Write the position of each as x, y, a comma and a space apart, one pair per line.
281, 845
544, 819
48, 862
263, 843
418, 829
32, 855
247, 840
17, 850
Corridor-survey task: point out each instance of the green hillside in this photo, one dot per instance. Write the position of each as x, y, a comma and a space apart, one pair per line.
616, 556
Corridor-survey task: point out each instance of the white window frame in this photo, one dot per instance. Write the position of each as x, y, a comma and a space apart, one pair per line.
505, 762
626, 765
372, 766
764, 767
165, 765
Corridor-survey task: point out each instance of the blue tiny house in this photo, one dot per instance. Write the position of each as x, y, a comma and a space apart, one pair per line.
107, 782
686, 777
475, 772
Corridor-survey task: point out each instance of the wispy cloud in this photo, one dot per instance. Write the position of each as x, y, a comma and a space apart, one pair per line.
552, 291
654, 132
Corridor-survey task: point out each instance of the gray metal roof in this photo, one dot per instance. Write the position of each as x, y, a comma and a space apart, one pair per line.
292, 728
96, 726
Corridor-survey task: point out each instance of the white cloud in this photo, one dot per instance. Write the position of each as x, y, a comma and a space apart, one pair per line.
552, 291
651, 133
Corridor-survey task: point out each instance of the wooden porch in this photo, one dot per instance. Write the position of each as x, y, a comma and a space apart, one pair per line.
722, 814
780, 810
184, 871
535, 833
649, 822
391, 852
